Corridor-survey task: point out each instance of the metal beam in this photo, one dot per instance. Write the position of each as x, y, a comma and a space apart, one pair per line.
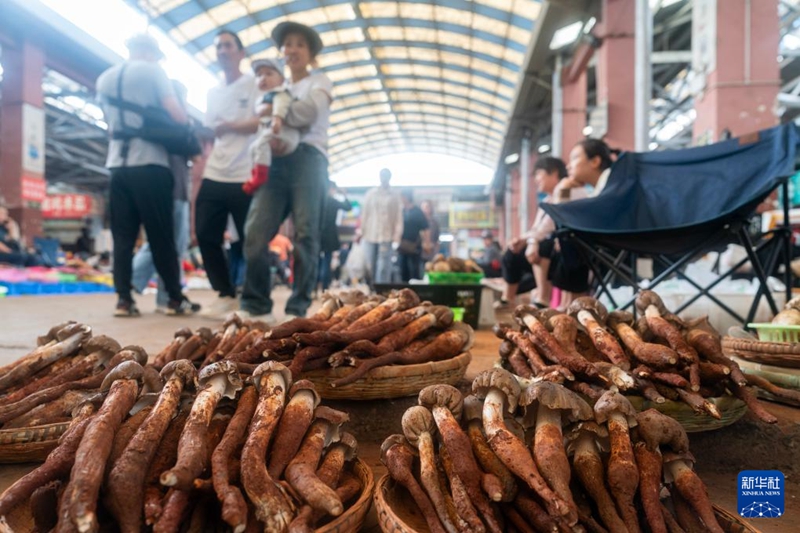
671, 56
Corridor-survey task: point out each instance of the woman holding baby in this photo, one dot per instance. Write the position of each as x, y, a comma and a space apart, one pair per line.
296, 181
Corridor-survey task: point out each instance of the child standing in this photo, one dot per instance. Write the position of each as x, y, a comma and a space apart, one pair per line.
272, 109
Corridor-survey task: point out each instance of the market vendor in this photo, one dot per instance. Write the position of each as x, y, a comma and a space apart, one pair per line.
11, 250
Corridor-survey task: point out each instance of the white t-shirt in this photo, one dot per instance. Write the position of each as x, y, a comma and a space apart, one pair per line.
311, 110
230, 158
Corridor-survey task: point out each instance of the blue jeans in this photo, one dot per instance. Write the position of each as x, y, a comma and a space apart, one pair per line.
143, 267
296, 186
380, 255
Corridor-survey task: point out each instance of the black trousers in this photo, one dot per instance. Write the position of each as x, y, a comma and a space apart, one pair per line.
215, 201
516, 269
410, 265
142, 196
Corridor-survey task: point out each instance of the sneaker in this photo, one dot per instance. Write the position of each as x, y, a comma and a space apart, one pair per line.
126, 309
502, 305
182, 307
162, 309
221, 308
267, 318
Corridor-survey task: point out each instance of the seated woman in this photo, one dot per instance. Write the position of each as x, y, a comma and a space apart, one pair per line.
11, 249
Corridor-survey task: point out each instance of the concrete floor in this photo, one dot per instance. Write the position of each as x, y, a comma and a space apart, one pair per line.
720, 455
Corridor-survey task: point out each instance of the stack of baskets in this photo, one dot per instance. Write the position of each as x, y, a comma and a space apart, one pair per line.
774, 356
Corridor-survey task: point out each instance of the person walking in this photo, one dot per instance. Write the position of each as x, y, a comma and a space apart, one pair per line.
296, 183
335, 201
141, 179
433, 226
415, 238
382, 227
231, 113
143, 265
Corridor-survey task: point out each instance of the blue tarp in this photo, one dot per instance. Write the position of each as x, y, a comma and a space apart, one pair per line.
660, 202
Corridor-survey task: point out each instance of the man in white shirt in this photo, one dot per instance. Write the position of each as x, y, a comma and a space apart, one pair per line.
382, 227
231, 114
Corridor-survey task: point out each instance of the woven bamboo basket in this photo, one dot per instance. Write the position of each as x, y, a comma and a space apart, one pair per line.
397, 512
769, 353
19, 520
395, 381
30, 444
731, 409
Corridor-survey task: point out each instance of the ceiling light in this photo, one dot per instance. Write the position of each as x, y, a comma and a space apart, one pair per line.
566, 35
589, 25
511, 159
543, 149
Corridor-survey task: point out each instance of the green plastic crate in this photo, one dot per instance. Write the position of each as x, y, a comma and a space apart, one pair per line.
455, 278
776, 332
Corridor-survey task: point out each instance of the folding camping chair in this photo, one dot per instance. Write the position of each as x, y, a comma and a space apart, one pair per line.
674, 206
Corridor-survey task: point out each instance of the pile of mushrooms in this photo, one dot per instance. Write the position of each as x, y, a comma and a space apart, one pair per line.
349, 330
440, 263
542, 459
207, 450
660, 357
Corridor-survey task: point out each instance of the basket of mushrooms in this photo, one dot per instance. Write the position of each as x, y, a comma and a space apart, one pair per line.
660, 361
353, 348
540, 459
225, 448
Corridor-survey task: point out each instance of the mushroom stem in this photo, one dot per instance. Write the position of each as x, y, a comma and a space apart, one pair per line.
294, 424
515, 455
623, 476
693, 490
490, 462
603, 340
550, 456
429, 477
649, 463
589, 468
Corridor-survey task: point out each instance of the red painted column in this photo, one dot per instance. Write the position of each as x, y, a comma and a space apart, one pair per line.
573, 111
740, 91
616, 71
22, 185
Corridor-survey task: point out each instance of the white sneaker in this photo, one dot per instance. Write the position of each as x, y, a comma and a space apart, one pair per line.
220, 308
267, 318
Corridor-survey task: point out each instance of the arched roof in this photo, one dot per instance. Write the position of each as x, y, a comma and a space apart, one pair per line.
411, 75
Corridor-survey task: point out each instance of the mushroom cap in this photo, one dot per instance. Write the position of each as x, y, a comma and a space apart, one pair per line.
499, 379
443, 314
671, 457
103, 344
73, 329
138, 353
445, 396
501, 328
151, 380
657, 429
352, 297
646, 298
124, 370
416, 421
350, 443
557, 397
205, 333
183, 369
183, 332
226, 368
473, 408
272, 367
587, 303
614, 402
51, 333
506, 349
598, 432
407, 298
545, 315
331, 415
232, 319
467, 333
390, 442
524, 310
620, 317
304, 384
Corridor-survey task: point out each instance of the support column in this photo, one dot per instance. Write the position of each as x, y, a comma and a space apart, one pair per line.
735, 44
616, 72
525, 167
573, 112
22, 143
643, 81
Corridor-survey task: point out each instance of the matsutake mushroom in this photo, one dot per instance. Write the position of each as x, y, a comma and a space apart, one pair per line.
217, 381
678, 470
499, 389
419, 428
655, 355
296, 419
623, 476
473, 415
592, 315
554, 404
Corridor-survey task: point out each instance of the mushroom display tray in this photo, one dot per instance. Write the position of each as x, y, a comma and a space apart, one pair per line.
350, 521
397, 512
785, 354
29, 444
395, 381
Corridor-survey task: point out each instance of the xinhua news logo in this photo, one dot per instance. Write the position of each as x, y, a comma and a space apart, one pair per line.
761, 494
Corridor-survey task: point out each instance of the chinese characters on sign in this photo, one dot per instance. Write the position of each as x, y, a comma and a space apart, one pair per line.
471, 215
67, 206
761, 482
33, 189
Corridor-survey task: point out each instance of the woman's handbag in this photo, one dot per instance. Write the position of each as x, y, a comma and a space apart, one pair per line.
408, 247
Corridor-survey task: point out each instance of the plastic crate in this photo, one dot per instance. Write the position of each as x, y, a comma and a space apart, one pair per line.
464, 300
776, 332
455, 278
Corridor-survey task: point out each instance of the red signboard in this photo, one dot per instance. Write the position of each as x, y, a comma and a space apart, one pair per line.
33, 189
67, 206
